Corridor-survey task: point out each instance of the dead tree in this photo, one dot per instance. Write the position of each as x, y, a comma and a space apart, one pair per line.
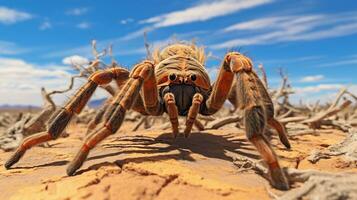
29, 124
32, 123
313, 184
347, 148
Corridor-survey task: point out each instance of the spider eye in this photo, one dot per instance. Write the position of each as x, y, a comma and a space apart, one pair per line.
193, 77
172, 77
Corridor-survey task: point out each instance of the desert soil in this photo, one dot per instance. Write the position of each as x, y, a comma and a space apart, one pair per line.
147, 164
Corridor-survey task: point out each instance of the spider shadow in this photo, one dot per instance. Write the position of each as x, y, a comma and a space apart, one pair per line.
164, 148
51, 164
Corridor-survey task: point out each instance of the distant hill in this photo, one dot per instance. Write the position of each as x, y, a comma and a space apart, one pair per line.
93, 104
96, 103
15, 107
6, 106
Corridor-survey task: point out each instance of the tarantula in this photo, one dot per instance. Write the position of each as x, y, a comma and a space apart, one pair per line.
175, 81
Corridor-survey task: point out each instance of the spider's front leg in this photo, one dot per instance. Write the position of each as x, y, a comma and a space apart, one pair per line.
252, 98
74, 106
98, 116
235, 99
172, 111
142, 76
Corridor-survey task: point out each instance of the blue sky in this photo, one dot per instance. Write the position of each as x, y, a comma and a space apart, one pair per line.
313, 41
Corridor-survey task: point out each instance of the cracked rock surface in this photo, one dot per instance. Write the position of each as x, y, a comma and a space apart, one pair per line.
149, 165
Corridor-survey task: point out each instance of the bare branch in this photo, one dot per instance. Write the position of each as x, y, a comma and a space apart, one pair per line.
147, 47
70, 87
264, 75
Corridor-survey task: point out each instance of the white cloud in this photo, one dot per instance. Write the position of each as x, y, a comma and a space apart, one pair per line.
213, 73
314, 78
292, 60
126, 21
20, 82
45, 25
276, 29
75, 60
157, 44
207, 9
83, 25
135, 34
11, 16
347, 61
341, 30
124, 45
202, 12
322, 92
256, 24
10, 48
77, 11
352, 88
282, 22
318, 88
17, 67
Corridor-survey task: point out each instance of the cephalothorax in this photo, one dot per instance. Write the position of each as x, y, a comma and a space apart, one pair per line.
174, 81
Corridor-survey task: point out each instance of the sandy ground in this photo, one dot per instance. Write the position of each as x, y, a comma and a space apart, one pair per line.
147, 165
